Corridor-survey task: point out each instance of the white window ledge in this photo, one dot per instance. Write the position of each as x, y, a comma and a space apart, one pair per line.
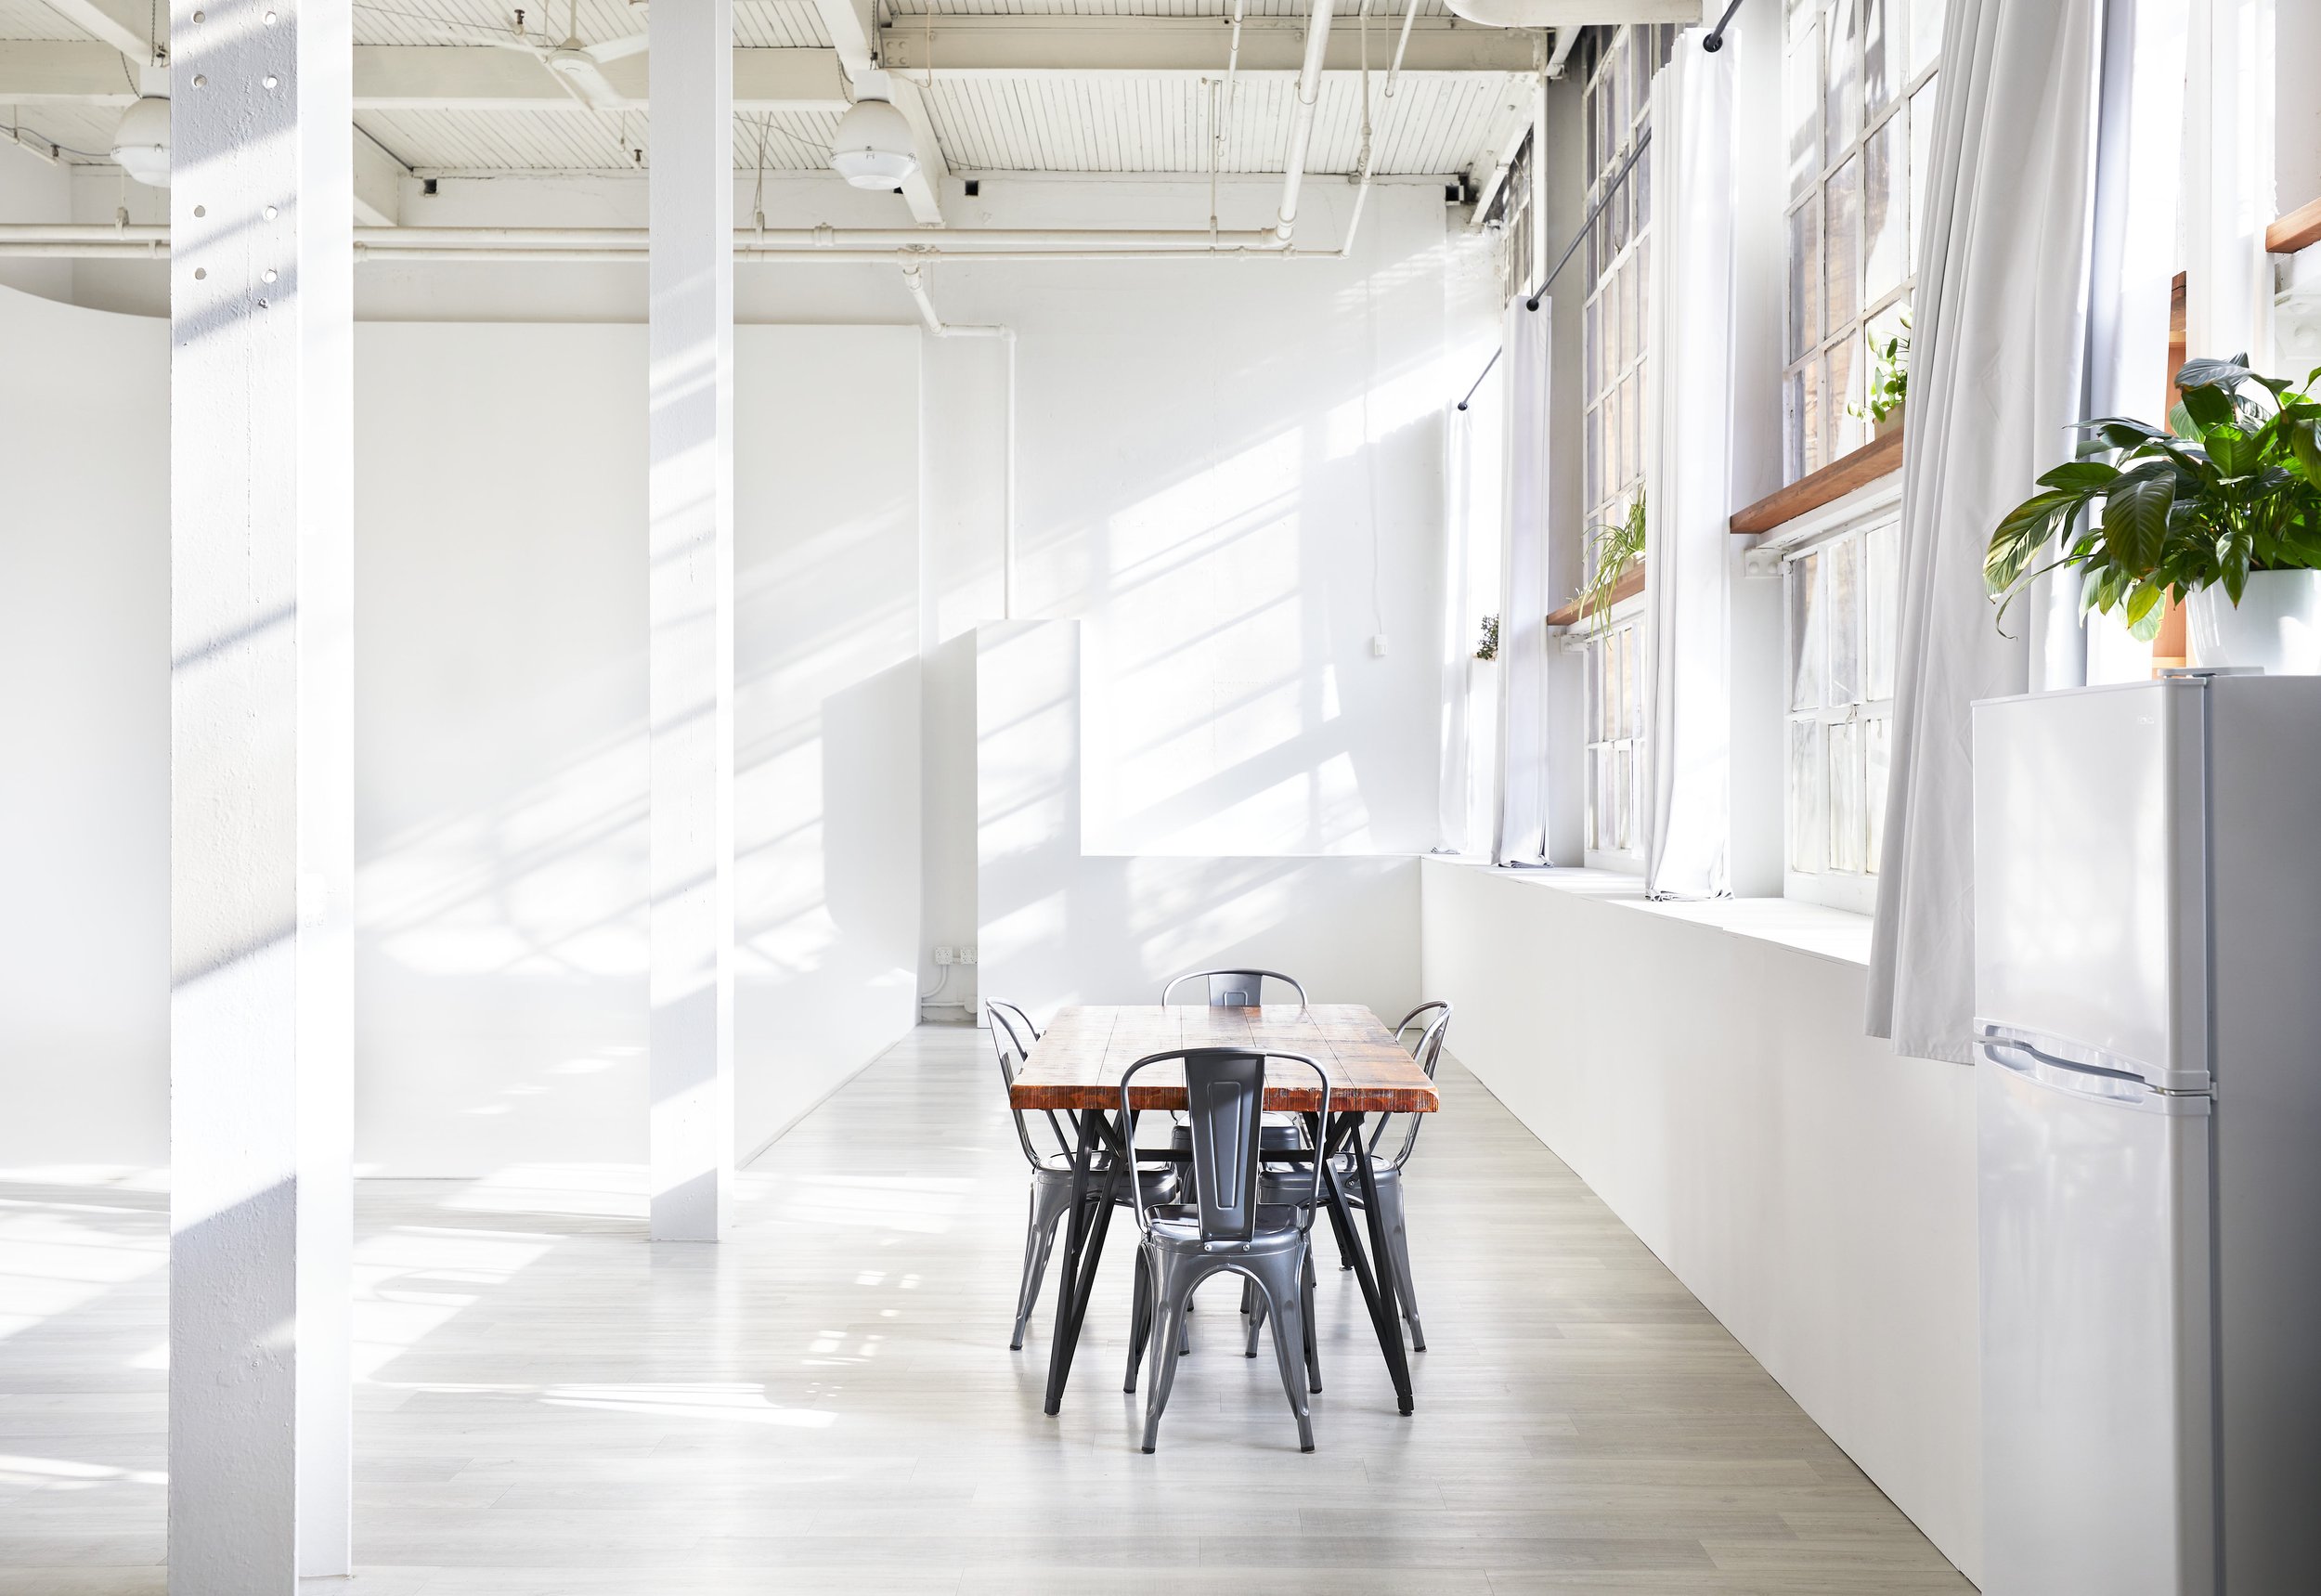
1826, 933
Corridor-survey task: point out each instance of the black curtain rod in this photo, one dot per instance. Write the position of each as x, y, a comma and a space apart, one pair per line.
1715, 40
1531, 301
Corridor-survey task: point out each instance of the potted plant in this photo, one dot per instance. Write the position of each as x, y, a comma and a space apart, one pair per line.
2221, 511
1487, 646
1615, 546
1889, 383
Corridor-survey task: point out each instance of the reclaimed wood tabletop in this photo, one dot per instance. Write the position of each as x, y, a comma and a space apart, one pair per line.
1077, 1064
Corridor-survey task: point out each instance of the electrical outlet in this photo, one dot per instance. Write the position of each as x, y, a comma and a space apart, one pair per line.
942, 956
1377, 646
967, 954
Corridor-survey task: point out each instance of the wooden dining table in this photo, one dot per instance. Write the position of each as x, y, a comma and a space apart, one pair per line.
1075, 1069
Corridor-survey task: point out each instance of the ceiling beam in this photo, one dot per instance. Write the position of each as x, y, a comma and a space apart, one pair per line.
428, 77
994, 46
378, 184
118, 24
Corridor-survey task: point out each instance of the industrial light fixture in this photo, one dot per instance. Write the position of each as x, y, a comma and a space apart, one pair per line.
141, 145
872, 147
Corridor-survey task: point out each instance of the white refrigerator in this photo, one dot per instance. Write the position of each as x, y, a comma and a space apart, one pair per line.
2147, 984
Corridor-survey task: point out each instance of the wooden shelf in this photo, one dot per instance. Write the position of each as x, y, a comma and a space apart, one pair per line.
1626, 587
2300, 229
1833, 481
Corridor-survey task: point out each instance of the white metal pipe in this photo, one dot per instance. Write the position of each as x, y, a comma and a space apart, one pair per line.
915, 282
1409, 15
1301, 119
619, 243
1565, 39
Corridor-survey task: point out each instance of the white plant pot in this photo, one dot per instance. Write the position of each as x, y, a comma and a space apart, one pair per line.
2276, 626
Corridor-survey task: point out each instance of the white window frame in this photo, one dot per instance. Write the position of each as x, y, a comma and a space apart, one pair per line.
1625, 618
1831, 348
1867, 509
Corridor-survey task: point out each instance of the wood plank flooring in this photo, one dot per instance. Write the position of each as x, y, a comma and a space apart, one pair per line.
556, 1407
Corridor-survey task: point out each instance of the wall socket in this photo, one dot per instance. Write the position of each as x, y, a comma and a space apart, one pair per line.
1377, 646
947, 954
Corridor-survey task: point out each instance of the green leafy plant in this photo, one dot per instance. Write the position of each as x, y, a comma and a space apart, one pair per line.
1613, 547
1489, 648
1889, 382
2232, 486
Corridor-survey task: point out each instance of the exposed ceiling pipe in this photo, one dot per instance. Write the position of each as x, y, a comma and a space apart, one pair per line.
1565, 39
915, 282
1301, 119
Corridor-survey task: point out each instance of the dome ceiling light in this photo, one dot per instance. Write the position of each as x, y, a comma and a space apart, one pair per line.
872, 147
141, 144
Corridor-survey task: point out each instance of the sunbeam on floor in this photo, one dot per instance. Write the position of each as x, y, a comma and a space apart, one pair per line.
553, 1407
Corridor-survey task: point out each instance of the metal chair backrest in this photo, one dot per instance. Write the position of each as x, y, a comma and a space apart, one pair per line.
1007, 1040
1432, 1021
1224, 1099
1235, 989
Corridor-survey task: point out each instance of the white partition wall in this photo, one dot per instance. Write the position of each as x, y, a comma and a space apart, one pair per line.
262, 800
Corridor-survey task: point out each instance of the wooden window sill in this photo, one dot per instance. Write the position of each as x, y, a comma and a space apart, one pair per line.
2299, 229
1833, 481
1626, 587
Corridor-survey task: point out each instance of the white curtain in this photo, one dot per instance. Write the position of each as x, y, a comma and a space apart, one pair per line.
1519, 834
1689, 475
2000, 342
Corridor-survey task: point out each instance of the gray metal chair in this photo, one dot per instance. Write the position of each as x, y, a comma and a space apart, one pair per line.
1421, 1031
1234, 988
1051, 1173
1225, 1228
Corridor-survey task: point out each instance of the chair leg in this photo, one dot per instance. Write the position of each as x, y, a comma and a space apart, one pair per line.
1168, 1292
1313, 1352
1255, 1321
1049, 1199
1285, 1286
1398, 1238
1139, 1321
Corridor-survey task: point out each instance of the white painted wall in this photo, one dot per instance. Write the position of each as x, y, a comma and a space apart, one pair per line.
84, 736
1813, 1190
501, 638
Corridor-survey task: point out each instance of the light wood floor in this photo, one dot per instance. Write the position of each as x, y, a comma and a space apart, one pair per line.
828, 1403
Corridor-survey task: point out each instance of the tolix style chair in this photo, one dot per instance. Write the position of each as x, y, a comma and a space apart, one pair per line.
1012, 1033
1225, 1228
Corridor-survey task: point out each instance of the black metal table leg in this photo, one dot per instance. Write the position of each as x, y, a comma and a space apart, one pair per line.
1389, 1288
1076, 1221
1383, 1320
1100, 1217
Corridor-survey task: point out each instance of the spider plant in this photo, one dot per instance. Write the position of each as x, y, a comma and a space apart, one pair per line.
1614, 548
2232, 486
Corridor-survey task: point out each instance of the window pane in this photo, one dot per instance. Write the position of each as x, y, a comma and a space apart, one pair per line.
1631, 428
1623, 790
1841, 89
1793, 423
1815, 383
1801, 109
1805, 631
1925, 33
1842, 386
1847, 833
1881, 62
1596, 766
1805, 280
1885, 252
1841, 222
1630, 330
1806, 835
1875, 738
1921, 137
1842, 622
1884, 588
1627, 682
1594, 481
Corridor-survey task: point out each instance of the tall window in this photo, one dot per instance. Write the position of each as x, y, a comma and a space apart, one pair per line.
1619, 64
1858, 102
1840, 633
1510, 214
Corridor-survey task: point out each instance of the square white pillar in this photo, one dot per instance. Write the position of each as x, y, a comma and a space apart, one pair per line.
261, 800
690, 504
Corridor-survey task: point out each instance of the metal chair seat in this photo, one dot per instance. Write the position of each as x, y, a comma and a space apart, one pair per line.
1176, 1227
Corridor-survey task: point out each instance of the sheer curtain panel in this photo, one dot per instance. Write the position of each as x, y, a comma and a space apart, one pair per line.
1688, 476
2000, 346
1520, 835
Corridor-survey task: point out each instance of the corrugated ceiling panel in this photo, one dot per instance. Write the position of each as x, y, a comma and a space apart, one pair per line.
579, 140
31, 19
481, 21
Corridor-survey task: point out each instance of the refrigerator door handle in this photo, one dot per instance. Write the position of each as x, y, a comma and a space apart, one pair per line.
2054, 1067
1994, 1045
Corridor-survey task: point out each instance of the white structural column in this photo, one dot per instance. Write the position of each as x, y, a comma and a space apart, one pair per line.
261, 801
690, 501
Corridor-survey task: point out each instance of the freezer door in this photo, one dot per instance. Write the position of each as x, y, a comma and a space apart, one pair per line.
2097, 1468
2089, 872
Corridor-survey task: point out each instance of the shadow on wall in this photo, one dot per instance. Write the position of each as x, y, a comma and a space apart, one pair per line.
502, 774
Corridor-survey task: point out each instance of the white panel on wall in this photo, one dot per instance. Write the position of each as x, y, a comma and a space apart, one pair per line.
501, 778
827, 798
84, 736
